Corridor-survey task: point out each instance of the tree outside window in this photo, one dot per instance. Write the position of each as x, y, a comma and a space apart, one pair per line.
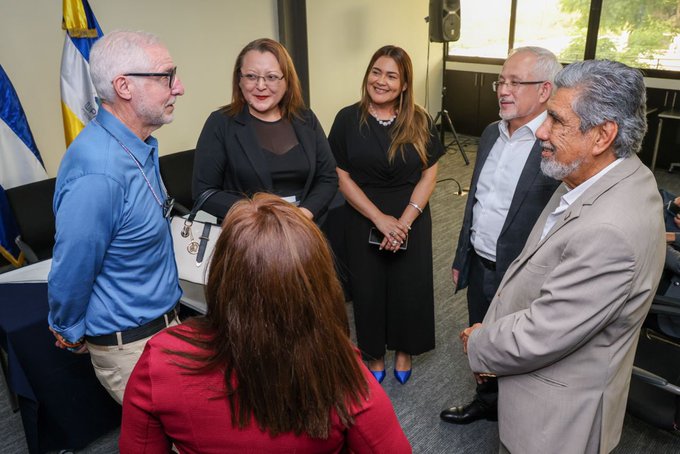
640, 33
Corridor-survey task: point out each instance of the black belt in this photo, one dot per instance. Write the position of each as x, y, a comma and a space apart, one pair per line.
486, 263
134, 334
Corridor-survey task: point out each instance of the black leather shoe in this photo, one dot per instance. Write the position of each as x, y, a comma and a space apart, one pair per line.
471, 412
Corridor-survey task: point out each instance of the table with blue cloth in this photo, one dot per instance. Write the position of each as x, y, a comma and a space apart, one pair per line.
61, 401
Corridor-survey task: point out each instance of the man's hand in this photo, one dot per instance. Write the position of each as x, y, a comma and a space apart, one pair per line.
78, 348
465, 335
480, 379
455, 273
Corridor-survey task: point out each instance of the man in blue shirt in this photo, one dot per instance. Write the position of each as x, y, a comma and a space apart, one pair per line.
113, 282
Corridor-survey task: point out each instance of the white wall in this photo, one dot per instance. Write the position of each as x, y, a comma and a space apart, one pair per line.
203, 37
343, 35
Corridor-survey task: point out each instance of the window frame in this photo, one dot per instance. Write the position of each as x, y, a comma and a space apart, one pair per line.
590, 47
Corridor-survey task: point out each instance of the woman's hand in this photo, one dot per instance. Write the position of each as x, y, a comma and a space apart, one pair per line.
394, 230
307, 213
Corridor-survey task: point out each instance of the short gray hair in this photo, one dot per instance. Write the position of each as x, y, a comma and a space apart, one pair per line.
609, 91
116, 53
546, 66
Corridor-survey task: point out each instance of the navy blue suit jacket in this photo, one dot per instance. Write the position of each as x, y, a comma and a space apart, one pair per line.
532, 193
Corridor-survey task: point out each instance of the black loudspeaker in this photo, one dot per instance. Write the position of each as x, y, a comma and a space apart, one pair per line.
444, 20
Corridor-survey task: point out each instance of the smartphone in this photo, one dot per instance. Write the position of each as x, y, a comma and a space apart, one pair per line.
673, 208
376, 237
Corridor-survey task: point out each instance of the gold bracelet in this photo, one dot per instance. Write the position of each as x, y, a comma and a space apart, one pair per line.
415, 205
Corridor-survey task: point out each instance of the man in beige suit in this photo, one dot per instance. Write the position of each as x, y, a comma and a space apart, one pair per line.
561, 331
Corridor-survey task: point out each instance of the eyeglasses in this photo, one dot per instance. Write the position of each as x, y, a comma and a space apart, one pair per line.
170, 75
513, 85
269, 79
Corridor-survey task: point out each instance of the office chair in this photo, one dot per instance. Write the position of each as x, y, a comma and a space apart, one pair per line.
32, 207
654, 393
177, 171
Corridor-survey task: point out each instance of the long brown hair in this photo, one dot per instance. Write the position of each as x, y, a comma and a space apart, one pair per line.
291, 104
412, 125
276, 322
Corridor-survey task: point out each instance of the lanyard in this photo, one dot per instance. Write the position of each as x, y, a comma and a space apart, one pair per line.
166, 206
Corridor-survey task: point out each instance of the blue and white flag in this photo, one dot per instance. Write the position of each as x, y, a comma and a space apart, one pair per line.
78, 96
20, 161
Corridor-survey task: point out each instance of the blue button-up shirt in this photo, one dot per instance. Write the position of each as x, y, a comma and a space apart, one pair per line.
113, 266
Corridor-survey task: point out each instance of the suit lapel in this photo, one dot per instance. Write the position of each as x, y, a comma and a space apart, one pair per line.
307, 142
526, 180
250, 148
623, 170
482, 153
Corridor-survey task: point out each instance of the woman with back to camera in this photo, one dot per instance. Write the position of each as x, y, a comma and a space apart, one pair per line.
265, 140
387, 151
270, 368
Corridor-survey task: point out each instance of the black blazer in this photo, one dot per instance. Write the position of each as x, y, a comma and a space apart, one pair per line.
228, 158
532, 193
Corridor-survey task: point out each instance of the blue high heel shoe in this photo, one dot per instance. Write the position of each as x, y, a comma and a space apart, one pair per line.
379, 375
402, 376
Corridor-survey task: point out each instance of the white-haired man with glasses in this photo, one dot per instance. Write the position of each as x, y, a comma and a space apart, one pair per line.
563, 326
507, 193
113, 282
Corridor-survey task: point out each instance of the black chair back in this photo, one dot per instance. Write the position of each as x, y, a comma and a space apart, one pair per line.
32, 207
177, 170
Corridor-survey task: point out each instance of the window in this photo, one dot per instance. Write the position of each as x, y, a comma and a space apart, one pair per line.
640, 33
544, 23
484, 29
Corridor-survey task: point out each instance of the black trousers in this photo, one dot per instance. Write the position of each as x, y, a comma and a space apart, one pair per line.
482, 285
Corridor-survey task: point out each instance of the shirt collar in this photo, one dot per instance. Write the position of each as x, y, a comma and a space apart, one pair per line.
529, 128
141, 150
573, 194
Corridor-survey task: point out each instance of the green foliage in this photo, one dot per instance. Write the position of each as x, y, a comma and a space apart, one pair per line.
630, 30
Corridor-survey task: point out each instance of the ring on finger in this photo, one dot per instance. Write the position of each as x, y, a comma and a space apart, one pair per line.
394, 242
392, 233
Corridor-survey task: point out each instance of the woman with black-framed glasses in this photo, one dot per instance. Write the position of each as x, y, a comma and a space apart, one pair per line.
266, 140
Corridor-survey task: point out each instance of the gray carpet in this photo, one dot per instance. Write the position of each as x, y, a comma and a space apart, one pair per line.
441, 378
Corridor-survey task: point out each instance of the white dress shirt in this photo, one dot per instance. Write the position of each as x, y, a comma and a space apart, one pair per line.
497, 183
570, 197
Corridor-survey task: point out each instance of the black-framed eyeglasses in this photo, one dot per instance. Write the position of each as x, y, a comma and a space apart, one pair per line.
170, 75
269, 79
513, 85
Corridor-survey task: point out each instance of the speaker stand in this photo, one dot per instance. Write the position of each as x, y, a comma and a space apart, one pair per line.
444, 118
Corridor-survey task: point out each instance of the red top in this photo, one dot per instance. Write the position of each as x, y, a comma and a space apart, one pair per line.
165, 405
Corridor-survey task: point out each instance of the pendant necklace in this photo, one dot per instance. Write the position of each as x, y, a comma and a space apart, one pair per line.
374, 114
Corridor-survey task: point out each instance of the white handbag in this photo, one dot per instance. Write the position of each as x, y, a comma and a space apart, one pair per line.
194, 242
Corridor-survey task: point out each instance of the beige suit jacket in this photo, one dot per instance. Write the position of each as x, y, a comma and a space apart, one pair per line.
562, 329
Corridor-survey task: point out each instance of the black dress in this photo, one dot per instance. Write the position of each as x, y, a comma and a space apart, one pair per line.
392, 293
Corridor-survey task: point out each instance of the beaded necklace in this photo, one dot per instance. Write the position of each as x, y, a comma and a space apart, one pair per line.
374, 114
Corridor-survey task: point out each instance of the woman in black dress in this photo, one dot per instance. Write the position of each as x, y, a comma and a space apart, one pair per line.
266, 140
386, 149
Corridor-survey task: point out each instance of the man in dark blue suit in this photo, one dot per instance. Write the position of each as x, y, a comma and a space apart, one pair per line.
507, 194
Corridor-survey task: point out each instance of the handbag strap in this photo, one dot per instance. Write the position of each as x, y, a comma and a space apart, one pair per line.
203, 244
200, 201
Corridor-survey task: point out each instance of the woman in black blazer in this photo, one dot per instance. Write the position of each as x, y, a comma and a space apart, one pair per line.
265, 140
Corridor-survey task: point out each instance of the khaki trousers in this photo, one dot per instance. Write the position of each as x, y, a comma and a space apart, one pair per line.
113, 365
